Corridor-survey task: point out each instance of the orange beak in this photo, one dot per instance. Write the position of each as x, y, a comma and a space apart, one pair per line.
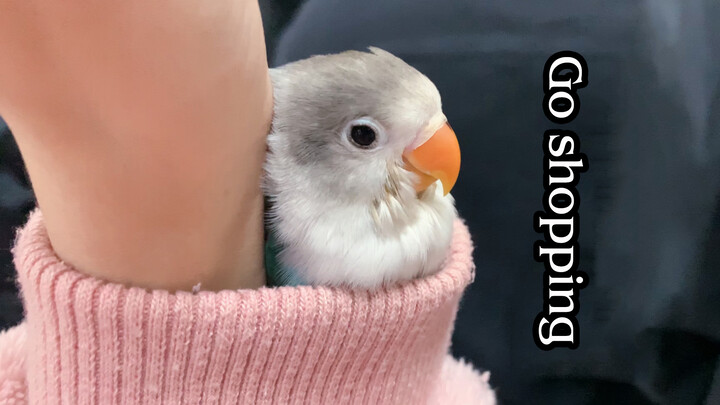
436, 159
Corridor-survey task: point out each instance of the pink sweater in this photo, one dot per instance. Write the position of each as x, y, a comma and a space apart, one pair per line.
87, 341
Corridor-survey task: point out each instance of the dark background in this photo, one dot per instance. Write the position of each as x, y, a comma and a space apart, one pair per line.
650, 212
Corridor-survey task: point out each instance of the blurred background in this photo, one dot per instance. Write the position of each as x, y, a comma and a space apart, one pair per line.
650, 211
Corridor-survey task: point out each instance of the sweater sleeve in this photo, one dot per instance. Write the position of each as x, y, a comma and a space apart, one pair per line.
13, 385
87, 341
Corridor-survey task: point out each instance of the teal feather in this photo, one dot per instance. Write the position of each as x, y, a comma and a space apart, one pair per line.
277, 274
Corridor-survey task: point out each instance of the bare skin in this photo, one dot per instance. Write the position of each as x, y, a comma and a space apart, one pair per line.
142, 125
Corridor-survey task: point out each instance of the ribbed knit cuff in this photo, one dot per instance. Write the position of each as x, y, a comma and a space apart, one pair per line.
94, 342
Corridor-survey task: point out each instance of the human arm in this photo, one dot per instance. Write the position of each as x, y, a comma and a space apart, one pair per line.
142, 125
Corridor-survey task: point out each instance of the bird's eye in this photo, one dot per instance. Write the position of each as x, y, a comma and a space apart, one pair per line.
363, 135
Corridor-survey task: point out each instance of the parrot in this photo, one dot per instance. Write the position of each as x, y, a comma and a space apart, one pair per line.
360, 160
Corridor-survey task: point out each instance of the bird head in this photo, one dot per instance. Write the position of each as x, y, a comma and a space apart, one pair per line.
361, 128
